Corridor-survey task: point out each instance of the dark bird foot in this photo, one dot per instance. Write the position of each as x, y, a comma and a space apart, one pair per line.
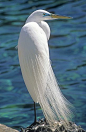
34, 124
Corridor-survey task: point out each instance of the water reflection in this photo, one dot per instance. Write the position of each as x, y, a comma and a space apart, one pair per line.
68, 55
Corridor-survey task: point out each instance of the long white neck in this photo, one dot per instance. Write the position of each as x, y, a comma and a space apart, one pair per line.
42, 24
45, 28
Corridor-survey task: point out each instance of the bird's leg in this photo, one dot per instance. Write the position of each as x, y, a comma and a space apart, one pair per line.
35, 113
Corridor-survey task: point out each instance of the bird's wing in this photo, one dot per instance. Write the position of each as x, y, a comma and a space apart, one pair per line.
33, 57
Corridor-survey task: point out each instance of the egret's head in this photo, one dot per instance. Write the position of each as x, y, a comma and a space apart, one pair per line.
40, 15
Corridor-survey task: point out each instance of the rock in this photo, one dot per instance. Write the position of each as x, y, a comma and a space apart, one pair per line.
4, 128
43, 126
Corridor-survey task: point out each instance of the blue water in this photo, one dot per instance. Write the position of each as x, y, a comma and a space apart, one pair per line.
67, 52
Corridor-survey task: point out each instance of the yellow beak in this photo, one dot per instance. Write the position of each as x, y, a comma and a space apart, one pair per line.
60, 17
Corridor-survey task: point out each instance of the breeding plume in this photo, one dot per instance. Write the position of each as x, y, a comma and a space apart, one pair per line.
36, 68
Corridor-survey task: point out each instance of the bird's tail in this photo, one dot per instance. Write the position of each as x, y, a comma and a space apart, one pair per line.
54, 105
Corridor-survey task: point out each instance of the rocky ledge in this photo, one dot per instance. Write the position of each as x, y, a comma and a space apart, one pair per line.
43, 126
4, 128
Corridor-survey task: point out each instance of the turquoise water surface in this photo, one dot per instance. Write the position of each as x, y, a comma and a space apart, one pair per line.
67, 52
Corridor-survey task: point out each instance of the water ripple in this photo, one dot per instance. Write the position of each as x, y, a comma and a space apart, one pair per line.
67, 52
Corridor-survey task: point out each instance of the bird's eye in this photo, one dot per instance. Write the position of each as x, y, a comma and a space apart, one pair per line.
44, 14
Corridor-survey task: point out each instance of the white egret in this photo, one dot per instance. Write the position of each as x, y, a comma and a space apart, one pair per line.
36, 68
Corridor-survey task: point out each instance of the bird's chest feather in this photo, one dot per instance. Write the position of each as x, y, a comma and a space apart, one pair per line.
33, 38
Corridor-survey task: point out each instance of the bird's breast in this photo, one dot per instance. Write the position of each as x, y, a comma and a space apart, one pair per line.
34, 38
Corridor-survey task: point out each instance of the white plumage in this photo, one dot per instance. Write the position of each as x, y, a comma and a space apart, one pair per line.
36, 69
